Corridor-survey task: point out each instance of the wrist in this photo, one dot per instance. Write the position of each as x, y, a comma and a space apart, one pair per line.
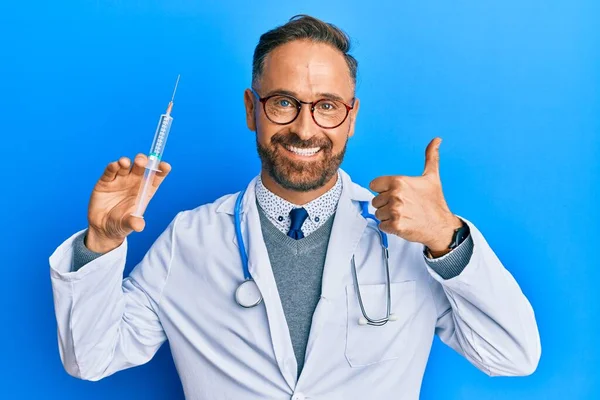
441, 243
99, 243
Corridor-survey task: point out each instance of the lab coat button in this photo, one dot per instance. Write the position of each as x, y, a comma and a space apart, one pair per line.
298, 396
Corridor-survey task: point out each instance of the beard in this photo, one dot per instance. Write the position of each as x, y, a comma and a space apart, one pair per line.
300, 176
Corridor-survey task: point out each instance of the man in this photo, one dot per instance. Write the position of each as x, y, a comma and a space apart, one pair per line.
311, 253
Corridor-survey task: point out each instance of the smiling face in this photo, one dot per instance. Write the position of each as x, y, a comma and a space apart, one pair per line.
301, 155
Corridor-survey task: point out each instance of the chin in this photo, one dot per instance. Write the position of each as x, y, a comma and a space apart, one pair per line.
297, 174
300, 179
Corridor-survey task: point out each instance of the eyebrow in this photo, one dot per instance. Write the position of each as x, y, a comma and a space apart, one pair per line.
326, 95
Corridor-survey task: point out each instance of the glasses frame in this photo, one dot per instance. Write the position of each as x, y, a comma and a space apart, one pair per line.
312, 104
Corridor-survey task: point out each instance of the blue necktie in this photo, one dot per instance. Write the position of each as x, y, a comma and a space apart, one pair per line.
298, 216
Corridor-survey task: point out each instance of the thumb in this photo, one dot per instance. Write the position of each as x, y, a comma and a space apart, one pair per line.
432, 157
135, 223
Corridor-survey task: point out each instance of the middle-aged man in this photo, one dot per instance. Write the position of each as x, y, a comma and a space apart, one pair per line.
310, 313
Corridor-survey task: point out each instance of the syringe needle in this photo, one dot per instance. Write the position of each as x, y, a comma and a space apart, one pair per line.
174, 90
170, 107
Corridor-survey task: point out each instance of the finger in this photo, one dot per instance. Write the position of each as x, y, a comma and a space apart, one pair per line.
384, 213
134, 223
139, 164
386, 226
380, 200
165, 168
124, 164
110, 172
432, 157
381, 184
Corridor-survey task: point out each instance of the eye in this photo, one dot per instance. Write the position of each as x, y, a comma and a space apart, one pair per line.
282, 103
327, 106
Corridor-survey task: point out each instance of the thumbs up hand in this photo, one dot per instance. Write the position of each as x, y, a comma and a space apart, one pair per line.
414, 208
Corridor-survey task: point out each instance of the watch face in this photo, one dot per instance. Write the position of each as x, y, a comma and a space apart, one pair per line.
460, 235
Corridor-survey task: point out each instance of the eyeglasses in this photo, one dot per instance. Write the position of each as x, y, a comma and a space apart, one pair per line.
283, 109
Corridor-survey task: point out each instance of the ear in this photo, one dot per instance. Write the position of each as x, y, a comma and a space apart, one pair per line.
352, 116
249, 104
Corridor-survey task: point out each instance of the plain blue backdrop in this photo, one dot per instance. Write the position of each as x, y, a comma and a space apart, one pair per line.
512, 87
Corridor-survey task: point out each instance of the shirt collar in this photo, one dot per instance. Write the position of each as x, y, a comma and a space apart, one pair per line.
278, 209
350, 192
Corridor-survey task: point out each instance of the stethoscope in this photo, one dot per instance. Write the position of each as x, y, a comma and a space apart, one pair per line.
248, 295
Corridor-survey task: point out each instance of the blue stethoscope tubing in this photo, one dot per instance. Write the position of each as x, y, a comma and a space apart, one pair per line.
238, 233
248, 295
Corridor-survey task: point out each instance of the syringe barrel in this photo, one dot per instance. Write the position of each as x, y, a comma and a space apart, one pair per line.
143, 196
160, 137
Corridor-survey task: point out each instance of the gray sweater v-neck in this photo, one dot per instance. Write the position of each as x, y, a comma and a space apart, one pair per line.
298, 270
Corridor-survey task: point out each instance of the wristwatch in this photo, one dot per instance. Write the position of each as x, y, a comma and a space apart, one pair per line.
460, 234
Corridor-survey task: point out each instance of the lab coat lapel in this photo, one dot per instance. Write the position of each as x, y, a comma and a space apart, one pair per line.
259, 266
348, 227
346, 232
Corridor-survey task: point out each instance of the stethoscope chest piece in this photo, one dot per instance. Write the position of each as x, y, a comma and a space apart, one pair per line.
247, 294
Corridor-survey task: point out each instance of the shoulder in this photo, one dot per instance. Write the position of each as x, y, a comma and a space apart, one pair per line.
361, 192
207, 214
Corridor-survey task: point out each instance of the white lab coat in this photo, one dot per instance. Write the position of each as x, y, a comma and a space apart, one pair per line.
183, 291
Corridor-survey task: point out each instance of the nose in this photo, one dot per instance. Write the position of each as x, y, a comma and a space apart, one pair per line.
305, 127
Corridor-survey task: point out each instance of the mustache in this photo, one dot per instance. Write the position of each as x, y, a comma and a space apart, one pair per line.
292, 139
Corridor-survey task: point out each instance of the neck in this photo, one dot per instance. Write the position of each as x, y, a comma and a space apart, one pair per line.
295, 197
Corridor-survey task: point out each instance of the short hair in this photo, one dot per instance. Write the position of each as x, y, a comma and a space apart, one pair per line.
302, 27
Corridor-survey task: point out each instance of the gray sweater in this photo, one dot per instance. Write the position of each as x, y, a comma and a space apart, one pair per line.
298, 270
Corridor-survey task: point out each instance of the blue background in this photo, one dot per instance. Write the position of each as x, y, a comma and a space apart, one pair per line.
512, 87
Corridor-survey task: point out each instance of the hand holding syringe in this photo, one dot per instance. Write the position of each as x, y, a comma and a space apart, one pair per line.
120, 196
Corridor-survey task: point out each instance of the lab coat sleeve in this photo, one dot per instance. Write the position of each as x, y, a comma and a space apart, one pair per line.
81, 254
484, 315
107, 323
453, 263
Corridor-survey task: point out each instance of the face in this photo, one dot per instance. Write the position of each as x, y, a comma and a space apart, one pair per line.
301, 155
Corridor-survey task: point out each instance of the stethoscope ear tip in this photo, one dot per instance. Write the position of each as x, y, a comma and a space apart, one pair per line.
393, 317
362, 321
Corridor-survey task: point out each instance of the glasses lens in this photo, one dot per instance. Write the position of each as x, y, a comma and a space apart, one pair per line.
281, 109
330, 113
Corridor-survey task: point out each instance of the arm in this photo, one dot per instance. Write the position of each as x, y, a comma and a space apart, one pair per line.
484, 315
81, 254
107, 323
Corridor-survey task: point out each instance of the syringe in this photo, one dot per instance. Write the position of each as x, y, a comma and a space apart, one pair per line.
156, 152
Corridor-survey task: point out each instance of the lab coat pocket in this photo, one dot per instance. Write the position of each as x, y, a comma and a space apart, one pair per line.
367, 344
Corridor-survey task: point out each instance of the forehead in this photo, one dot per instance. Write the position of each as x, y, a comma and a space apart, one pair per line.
307, 68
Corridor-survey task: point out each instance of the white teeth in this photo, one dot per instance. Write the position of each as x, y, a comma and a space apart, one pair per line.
303, 152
